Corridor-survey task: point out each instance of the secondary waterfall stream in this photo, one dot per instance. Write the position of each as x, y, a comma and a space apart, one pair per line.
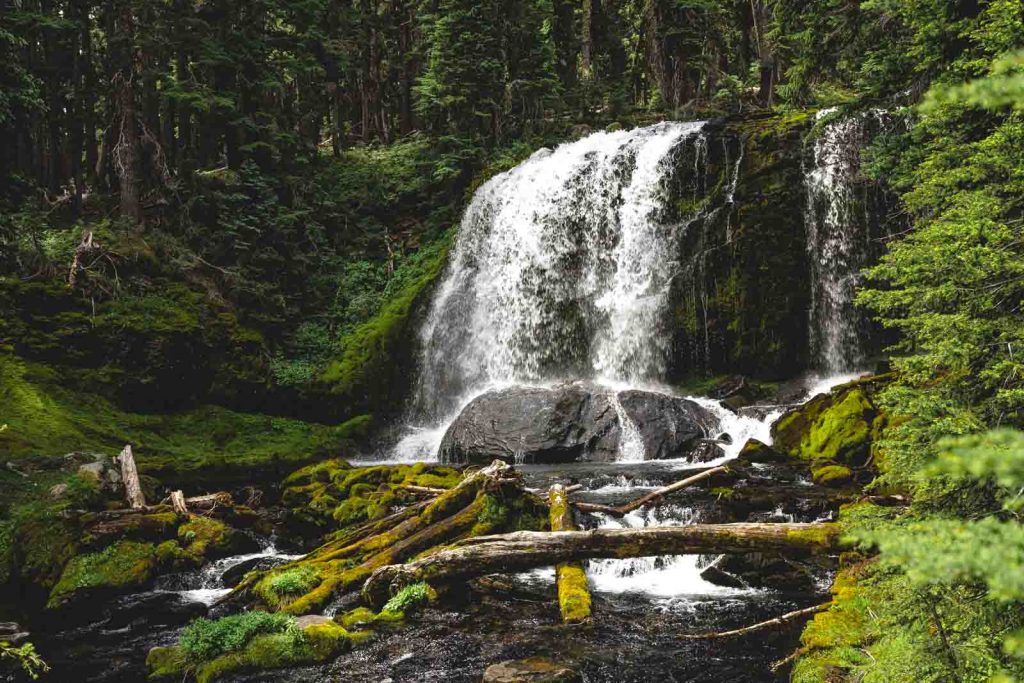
838, 240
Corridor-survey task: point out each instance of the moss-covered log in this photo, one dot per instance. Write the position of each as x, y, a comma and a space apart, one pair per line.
346, 562
525, 550
573, 588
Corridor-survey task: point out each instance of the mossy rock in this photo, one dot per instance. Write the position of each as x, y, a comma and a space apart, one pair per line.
296, 646
122, 566
831, 428
205, 538
832, 475
758, 451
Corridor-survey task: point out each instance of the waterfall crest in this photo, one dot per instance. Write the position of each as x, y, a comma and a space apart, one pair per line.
562, 269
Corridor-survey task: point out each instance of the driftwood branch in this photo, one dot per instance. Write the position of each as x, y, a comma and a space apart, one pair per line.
649, 498
777, 621
528, 549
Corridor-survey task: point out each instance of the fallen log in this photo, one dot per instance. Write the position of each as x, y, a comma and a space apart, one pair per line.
524, 550
130, 476
777, 621
653, 496
206, 503
345, 565
573, 588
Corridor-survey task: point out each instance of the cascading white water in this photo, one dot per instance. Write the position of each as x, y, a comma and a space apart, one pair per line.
837, 241
561, 270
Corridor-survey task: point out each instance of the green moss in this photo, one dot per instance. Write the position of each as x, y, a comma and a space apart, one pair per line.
126, 564
374, 350
835, 428
832, 475
202, 537
166, 662
573, 593
332, 493
822, 535
248, 641
409, 598
279, 589
45, 418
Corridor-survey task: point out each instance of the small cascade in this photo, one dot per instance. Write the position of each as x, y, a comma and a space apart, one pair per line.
631, 444
838, 240
665, 576
207, 584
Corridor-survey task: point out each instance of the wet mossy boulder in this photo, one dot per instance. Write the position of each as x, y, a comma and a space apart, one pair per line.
123, 565
333, 494
251, 641
832, 475
831, 428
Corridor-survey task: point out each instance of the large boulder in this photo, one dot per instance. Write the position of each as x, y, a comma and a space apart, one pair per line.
573, 422
836, 428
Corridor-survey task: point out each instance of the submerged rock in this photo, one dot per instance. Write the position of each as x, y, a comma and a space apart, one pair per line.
532, 670
572, 422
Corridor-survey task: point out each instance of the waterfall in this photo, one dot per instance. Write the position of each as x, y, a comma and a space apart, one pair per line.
838, 241
562, 270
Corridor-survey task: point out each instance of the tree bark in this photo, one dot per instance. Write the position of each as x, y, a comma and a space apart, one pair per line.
573, 587
178, 502
130, 475
528, 549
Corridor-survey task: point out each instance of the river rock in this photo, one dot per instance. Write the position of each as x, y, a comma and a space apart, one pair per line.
572, 422
532, 670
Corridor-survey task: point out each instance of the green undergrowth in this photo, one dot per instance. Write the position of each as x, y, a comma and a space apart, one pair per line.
212, 649
409, 598
44, 418
371, 354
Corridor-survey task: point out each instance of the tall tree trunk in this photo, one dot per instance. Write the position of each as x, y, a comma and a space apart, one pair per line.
126, 153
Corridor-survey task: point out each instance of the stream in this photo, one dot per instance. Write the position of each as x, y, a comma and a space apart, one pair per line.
641, 605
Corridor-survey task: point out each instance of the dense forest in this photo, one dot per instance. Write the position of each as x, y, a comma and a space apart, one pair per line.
227, 233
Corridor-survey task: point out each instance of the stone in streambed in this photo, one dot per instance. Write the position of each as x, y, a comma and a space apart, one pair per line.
570, 423
532, 670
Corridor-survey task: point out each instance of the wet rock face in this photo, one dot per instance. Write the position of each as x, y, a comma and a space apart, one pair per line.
572, 422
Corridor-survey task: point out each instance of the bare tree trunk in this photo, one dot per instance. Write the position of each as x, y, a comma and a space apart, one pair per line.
130, 475
528, 549
126, 153
178, 502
